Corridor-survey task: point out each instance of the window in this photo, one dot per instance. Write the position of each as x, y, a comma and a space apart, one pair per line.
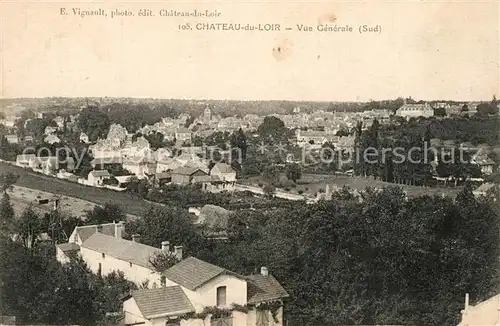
103, 255
221, 296
130, 264
99, 269
163, 280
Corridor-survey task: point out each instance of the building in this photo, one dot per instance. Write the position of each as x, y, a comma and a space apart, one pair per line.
12, 139
415, 111
487, 189
97, 177
224, 171
485, 163
484, 313
104, 250
182, 135
84, 138
52, 139
24, 160
187, 175
196, 293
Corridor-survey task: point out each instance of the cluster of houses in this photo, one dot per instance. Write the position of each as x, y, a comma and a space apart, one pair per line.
191, 292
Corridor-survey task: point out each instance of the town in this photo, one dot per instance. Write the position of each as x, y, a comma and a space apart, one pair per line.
182, 212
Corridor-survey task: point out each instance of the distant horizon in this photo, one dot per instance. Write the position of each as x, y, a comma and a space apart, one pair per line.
244, 100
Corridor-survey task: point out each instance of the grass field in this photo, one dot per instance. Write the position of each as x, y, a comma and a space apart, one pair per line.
128, 202
312, 183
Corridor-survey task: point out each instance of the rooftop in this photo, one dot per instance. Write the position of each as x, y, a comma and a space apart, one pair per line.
192, 273
164, 301
130, 251
264, 288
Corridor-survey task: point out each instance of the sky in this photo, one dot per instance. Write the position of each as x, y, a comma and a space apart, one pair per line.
426, 50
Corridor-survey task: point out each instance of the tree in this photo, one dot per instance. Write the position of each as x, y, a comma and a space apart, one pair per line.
6, 213
7, 181
293, 172
169, 223
273, 128
106, 214
28, 228
269, 191
161, 261
94, 122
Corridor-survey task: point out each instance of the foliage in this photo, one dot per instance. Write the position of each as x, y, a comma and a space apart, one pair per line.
107, 213
161, 261
269, 190
94, 122
273, 128
166, 224
7, 181
293, 172
384, 260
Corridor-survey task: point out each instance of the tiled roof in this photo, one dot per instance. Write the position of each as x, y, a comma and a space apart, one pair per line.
192, 273
164, 301
84, 232
122, 249
264, 288
65, 247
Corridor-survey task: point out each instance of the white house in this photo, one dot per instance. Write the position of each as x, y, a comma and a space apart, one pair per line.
24, 160
97, 177
84, 138
12, 139
224, 171
484, 162
104, 250
194, 286
52, 139
415, 110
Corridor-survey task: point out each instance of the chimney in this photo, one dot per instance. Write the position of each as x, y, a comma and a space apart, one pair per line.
178, 252
165, 246
99, 228
136, 238
264, 271
119, 230
466, 301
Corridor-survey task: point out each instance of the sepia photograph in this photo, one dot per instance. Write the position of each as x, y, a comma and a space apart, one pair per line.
249, 163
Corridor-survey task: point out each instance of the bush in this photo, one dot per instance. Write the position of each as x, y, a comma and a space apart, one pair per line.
300, 191
260, 184
321, 190
287, 189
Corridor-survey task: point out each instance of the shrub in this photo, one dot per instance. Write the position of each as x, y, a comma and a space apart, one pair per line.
300, 191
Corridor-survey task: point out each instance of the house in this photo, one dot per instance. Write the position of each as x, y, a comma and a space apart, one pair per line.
483, 313
104, 250
97, 177
65, 252
101, 163
485, 163
84, 138
183, 135
24, 160
216, 185
487, 189
52, 139
12, 139
224, 171
162, 178
187, 175
415, 111
49, 130
310, 137
51, 164
195, 292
